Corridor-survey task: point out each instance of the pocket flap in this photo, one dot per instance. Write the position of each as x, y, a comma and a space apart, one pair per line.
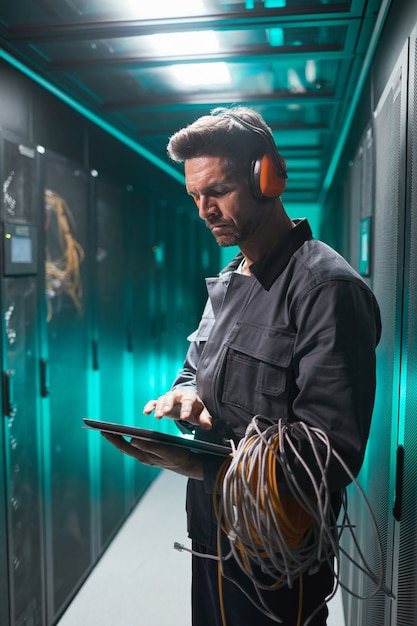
263, 343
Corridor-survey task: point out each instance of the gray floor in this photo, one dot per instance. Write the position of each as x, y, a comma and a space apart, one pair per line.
141, 580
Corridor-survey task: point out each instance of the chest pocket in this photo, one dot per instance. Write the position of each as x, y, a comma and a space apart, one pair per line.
257, 368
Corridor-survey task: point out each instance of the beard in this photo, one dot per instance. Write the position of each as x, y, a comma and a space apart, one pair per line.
229, 237
231, 233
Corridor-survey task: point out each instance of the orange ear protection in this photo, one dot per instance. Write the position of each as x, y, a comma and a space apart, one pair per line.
268, 172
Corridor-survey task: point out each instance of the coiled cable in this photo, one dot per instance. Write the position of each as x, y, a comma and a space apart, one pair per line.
285, 533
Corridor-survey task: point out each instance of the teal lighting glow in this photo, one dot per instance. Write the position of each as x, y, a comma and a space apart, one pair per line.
111, 130
348, 117
274, 4
276, 36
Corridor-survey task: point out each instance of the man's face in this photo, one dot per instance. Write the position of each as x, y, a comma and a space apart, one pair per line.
226, 205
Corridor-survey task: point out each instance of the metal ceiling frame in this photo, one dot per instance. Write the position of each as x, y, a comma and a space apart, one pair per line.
123, 115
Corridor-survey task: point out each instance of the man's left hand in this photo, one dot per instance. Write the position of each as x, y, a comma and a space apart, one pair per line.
169, 457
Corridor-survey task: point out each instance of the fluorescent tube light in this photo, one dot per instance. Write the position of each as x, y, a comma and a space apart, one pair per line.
200, 74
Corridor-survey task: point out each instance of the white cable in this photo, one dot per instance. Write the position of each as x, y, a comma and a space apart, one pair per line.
182, 548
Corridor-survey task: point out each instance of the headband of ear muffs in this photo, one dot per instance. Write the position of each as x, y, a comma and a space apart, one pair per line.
268, 175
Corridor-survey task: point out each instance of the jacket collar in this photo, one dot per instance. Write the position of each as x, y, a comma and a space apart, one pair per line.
267, 269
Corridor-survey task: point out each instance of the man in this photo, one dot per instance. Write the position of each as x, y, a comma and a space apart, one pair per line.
289, 333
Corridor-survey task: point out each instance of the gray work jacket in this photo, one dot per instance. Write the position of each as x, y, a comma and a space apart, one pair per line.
295, 340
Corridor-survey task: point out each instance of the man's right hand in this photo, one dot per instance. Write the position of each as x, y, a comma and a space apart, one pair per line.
180, 404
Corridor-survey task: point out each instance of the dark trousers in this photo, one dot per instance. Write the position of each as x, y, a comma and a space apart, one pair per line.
239, 610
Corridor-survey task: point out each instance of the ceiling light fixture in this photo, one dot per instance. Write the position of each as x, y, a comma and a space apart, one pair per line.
311, 71
182, 44
162, 8
294, 83
202, 74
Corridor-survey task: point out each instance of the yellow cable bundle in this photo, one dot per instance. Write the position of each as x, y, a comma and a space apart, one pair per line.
293, 519
63, 273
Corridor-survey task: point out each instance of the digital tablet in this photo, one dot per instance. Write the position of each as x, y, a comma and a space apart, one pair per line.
152, 435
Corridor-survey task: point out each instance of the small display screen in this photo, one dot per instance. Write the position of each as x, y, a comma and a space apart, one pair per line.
21, 250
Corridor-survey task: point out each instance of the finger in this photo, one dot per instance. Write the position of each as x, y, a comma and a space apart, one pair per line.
205, 419
168, 457
149, 407
117, 441
156, 454
150, 447
195, 412
171, 405
164, 405
187, 407
126, 447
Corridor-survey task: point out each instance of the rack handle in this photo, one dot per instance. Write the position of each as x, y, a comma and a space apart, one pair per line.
96, 364
399, 479
43, 368
9, 407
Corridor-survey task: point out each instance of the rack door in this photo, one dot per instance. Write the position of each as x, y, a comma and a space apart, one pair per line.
21, 450
69, 527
